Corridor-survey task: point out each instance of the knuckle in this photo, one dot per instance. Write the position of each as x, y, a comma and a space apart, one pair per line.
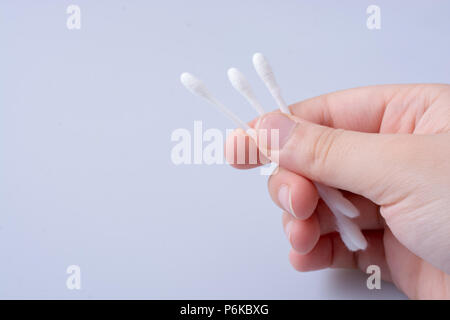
323, 147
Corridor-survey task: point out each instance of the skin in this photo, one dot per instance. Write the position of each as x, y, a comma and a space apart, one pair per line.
388, 149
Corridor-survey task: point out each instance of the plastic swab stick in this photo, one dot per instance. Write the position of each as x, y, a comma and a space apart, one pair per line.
342, 209
266, 74
197, 87
240, 83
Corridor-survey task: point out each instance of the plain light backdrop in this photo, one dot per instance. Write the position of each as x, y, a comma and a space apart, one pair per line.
86, 118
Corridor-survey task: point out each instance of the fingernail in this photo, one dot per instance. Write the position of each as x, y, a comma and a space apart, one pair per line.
284, 196
287, 230
276, 121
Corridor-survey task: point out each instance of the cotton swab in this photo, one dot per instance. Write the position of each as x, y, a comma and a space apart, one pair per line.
197, 87
342, 209
350, 233
337, 201
265, 72
240, 83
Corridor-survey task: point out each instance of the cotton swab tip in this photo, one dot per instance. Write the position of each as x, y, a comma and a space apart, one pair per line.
258, 58
241, 85
265, 72
197, 87
238, 80
262, 67
193, 84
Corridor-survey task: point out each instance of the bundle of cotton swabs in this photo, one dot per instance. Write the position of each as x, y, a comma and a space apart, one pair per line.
341, 207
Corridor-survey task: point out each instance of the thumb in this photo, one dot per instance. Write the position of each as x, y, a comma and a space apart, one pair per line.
363, 163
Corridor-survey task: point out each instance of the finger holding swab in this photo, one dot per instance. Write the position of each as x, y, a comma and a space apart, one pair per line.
240, 83
342, 209
197, 87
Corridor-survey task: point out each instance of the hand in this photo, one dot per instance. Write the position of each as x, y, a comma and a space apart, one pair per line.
388, 149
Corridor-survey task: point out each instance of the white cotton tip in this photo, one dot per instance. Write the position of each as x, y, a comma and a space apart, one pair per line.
238, 80
240, 83
194, 85
350, 233
336, 201
263, 69
197, 87
345, 206
342, 209
265, 72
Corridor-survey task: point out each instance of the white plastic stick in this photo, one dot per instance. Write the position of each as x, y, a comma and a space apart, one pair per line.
197, 87
342, 209
240, 83
265, 72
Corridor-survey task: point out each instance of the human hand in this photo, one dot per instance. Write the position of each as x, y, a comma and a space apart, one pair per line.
388, 149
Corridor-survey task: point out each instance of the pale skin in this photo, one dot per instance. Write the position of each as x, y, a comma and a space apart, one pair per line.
388, 149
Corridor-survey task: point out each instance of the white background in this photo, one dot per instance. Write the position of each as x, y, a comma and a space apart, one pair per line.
86, 116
